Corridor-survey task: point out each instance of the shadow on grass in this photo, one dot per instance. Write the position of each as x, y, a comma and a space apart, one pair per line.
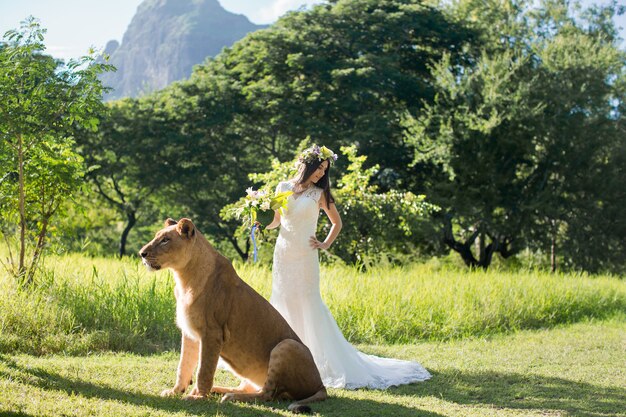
41, 378
342, 407
517, 391
44, 379
490, 389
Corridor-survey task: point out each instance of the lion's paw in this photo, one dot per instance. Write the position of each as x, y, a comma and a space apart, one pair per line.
169, 393
195, 394
228, 397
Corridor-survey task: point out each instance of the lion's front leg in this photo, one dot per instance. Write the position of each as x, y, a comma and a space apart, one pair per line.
188, 360
210, 347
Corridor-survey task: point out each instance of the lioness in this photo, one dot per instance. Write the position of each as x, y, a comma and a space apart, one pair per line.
221, 315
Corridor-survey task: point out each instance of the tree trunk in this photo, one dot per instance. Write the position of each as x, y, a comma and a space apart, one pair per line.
41, 239
502, 245
233, 241
486, 256
131, 220
21, 184
244, 255
481, 243
463, 249
552, 254
553, 236
248, 246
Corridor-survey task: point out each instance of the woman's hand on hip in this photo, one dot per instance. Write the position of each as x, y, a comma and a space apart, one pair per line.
316, 244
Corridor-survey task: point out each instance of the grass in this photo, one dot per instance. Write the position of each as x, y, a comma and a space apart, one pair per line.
83, 305
404, 305
571, 370
97, 337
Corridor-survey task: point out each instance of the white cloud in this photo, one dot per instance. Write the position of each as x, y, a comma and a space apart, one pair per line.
63, 52
277, 8
70, 52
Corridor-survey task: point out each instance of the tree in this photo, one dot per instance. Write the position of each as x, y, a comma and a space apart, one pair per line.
125, 157
581, 84
480, 127
514, 130
42, 103
209, 161
341, 73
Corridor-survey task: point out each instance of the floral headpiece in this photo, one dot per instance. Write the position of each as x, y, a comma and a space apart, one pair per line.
317, 152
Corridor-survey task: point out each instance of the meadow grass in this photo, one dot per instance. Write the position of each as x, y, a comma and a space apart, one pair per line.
417, 302
81, 305
570, 370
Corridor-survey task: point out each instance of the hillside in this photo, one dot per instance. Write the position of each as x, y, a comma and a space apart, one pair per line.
165, 39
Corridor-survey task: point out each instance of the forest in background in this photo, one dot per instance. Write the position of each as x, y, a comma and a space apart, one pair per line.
482, 129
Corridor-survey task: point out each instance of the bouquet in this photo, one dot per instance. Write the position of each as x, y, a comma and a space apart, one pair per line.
259, 206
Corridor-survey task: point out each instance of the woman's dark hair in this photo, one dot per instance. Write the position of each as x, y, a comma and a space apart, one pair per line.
323, 183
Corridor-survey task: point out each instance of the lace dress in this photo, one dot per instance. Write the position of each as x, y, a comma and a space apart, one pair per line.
296, 295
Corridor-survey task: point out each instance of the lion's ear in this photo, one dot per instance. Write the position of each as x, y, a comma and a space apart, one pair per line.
169, 222
185, 228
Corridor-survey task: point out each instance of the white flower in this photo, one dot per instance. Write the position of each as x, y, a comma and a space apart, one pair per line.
265, 205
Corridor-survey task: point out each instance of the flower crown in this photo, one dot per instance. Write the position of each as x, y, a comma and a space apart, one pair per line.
317, 152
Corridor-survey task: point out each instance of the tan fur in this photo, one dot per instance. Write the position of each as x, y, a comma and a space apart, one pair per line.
219, 314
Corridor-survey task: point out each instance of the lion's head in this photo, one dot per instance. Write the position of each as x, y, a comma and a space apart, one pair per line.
171, 247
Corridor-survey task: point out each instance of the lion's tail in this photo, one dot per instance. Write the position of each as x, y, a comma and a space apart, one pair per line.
301, 407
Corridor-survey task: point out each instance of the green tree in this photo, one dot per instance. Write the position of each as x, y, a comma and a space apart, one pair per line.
514, 130
209, 160
42, 102
477, 132
579, 81
126, 158
342, 73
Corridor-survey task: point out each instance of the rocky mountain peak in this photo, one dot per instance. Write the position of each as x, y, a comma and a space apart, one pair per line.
165, 39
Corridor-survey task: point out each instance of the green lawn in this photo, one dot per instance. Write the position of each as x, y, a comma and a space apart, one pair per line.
572, 370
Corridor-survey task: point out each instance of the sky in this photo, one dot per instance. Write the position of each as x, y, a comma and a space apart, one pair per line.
76, 25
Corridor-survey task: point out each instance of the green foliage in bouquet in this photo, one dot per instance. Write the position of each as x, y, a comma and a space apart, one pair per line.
257, 205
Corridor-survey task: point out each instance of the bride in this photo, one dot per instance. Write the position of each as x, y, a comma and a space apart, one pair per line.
295, 286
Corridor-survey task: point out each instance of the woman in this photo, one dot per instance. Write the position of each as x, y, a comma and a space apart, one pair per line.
295, 286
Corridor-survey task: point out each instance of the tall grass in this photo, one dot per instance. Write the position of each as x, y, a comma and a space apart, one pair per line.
416, 302
85, 304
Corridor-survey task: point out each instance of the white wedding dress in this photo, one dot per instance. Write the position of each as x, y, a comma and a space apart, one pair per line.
296, 295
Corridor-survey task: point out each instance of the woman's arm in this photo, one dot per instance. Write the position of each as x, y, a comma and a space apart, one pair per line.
335, 220
275, 223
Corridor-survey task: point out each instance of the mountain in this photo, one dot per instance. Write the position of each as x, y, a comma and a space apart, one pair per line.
165, 39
